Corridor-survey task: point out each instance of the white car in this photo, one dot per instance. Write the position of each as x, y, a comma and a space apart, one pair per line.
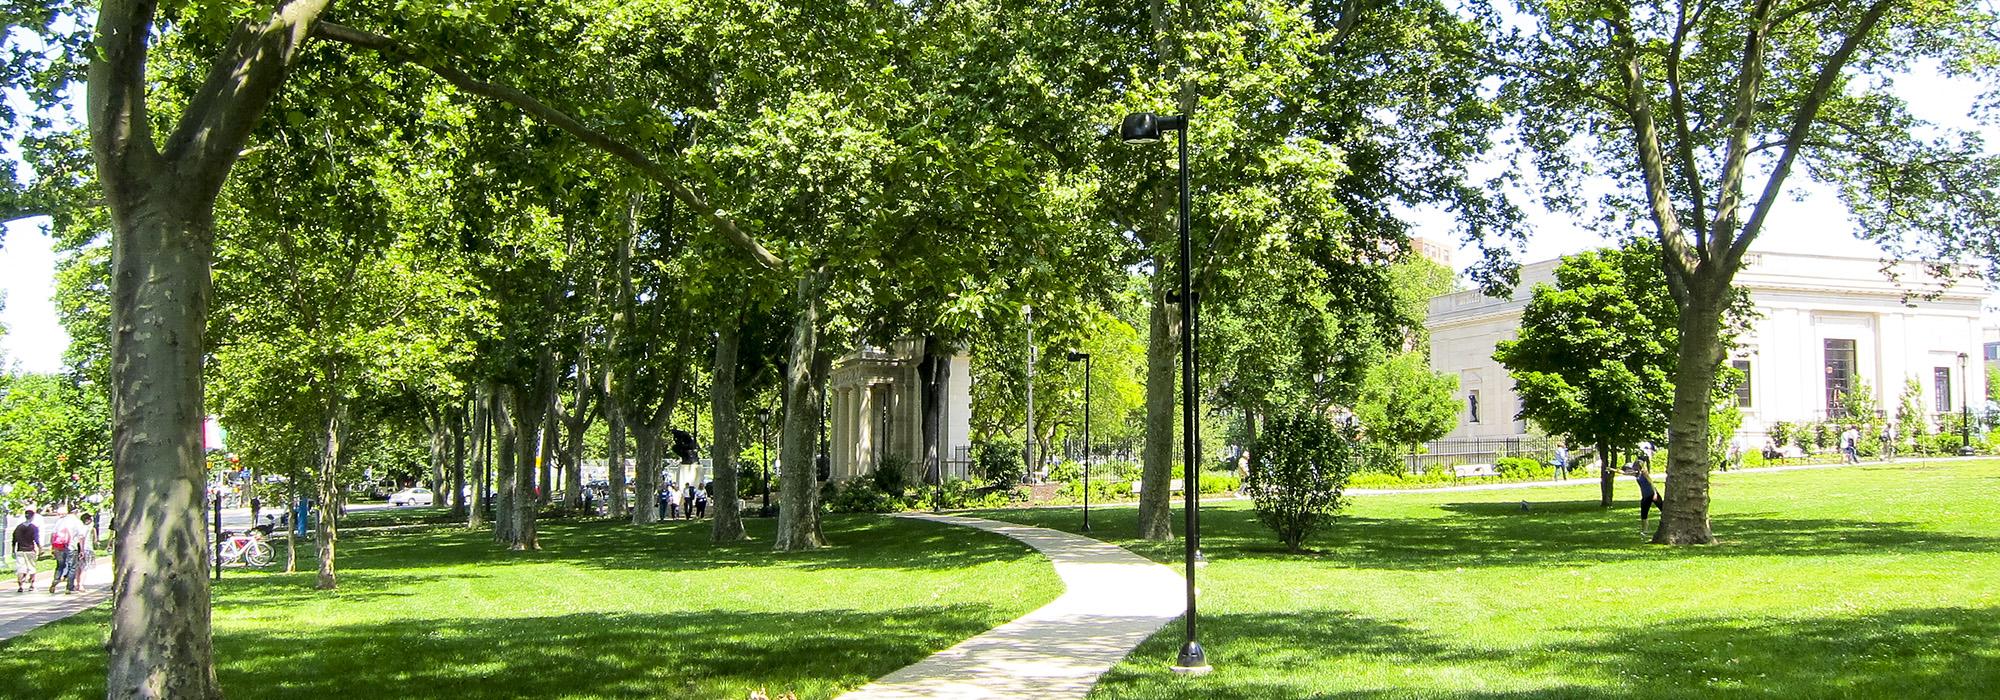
418, 496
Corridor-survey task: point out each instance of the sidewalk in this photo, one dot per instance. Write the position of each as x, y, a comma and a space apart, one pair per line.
1114, 600
21, 612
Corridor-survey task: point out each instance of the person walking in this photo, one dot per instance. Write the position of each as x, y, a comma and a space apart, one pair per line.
687, 501
63, 541
1648, 496
1561, 461
1848, 444
27, 548
82, 551
700, 503
1888, 442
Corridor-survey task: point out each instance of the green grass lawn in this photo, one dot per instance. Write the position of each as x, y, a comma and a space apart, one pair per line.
604, 610
1876, 581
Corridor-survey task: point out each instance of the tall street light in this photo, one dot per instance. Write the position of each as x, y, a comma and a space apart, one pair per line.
1964, 407
1145, 128
1085, 357
764, 445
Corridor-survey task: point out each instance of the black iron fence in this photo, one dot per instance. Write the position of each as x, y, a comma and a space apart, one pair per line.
1444, 453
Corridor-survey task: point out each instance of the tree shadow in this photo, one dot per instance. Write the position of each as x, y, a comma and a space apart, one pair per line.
705, 654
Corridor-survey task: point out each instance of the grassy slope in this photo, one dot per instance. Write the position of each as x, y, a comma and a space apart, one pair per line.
605, 610
1865, 582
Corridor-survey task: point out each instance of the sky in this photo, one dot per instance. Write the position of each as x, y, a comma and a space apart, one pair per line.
1816, 222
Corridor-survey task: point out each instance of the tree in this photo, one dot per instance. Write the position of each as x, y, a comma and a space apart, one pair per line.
1297, 471
1594, 355
1702, 111
1404, 403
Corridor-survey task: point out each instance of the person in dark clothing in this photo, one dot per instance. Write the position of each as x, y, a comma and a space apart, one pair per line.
27, 547
1648, 497
687, 501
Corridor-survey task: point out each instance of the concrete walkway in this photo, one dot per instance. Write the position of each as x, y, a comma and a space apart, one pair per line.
1114, 600
21, 612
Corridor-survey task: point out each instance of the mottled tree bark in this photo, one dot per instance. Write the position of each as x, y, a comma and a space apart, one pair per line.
482, 425
1162, 347
506, 464
162, 205
728, 526
798, 510
333, 456
1607, 472
1684, 515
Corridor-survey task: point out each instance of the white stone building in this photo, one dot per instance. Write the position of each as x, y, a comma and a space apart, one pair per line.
1822, 322
875, 402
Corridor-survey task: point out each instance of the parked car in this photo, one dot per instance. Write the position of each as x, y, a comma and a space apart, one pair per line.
418, 496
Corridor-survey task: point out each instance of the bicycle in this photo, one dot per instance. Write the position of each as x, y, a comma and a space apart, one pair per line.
246, 549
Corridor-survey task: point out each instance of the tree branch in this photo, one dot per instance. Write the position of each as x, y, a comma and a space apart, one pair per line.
653, 170
1722, 230
1678, 105
1679, 261
121, 138
240, 85
1802, 121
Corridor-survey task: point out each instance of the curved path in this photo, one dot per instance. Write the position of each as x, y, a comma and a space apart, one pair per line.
1114, 600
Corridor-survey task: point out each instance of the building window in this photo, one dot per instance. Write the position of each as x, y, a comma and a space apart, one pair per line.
1839, 373
1993, 352
1743, 388
1472, 405
1941, 389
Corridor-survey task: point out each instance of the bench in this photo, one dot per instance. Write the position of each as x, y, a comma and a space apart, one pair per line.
1174, 485
1467, 470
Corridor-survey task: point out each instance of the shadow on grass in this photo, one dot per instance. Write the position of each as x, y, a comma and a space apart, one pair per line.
697, 654
1922, 652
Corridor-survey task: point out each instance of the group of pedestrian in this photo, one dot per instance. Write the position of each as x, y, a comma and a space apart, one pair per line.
71, 540
684, 501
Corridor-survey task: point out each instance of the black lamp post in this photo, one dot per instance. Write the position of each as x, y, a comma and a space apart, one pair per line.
764, 419
1145, 128
1964, 407
1085, 357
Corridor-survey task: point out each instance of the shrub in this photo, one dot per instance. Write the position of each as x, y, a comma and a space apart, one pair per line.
1299, 468
859, 495
892, 475
999, 461
1523, 468
1384, 458
1212, 483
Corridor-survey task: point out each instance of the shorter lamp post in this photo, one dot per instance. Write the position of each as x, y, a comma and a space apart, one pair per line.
1085, 358
764, 418
1140, 129
6, 516
1964, 407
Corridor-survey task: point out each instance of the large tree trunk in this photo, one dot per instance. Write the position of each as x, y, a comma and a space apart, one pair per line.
614, 414
932, 374
529, 411
1684, 516
332, 456
455, 418
728, 526
1155, 494
160, 639
482, 424
646, 475
1607, 472
798, 509
506, 464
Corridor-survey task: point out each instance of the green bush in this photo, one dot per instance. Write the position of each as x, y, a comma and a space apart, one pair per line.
1381, 458
1435, 476
1301, 464
892, 475
999, 461
1212, 483
859, 495
1523, 468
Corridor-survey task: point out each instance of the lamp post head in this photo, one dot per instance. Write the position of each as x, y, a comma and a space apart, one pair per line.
1146, 127
764, 414
1075, 356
